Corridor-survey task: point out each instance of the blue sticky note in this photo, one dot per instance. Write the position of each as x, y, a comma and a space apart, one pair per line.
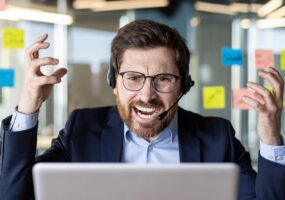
7, 77
231, 56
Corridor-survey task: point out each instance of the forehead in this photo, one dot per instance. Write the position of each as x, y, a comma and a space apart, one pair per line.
149, 61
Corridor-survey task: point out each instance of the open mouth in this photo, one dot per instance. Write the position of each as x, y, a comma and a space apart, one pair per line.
145, 112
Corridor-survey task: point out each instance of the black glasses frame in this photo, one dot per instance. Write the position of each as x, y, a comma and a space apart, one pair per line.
145, 77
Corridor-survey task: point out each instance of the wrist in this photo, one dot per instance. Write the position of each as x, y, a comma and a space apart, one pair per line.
27, 108
273, 140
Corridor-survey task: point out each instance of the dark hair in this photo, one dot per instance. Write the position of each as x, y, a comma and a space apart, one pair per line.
150, 34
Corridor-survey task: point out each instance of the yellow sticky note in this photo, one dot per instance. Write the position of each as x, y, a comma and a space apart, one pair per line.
282, 60
13, 38
214, 97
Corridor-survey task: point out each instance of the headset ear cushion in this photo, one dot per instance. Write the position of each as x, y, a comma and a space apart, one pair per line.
187, 84
111, 76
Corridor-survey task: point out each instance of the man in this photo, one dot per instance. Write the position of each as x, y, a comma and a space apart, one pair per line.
149, 74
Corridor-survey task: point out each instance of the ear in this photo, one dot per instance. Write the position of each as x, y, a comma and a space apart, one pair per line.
115, 91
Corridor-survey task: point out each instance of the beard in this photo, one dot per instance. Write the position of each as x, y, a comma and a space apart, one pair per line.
144, 130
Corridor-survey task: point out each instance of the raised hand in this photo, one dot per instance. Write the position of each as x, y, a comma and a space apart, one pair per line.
268, 105
37, 86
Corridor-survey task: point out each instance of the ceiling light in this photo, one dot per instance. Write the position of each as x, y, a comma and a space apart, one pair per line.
245, 23
14, 14
102, 5
269, 7
270, 23
213, 8
278, 13
195, 21
244, 7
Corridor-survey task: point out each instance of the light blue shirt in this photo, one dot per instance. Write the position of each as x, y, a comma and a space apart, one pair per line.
163, 149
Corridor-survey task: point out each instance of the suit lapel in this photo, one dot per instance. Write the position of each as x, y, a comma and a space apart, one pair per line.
112, 138
189, 143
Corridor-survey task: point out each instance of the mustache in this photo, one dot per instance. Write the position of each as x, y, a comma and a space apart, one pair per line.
150, 103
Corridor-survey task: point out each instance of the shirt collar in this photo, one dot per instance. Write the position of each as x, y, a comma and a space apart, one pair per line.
173, 127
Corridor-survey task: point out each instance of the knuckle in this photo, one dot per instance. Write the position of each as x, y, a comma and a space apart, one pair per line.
258, 106
34, 63
267, 93
48, 59
41, 81
37, 43
280, 105
34, 83
27, 51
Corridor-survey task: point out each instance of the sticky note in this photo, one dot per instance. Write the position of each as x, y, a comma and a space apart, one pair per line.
214, 97
237, 95
2, 4
13, 38
7, 77
282, 60
231, 56
264, 58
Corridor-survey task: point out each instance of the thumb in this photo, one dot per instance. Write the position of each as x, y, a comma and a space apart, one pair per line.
59, 73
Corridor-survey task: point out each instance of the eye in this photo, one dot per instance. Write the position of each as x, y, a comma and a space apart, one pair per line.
134, 77
164, 78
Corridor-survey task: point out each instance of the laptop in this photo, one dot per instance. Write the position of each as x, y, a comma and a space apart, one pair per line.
76, 181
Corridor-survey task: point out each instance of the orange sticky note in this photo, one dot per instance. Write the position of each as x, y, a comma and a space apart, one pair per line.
237, 95
264, 58
2, 4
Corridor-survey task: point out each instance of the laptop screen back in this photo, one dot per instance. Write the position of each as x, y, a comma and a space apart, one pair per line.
135, 182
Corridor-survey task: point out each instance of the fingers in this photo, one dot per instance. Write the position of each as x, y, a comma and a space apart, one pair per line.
255, 95
262, 100
37, 63
49, 80
32, 52
45, 80
253, 103
42, 38
274, 72
275, 79
59, 73
34, 63
261, 94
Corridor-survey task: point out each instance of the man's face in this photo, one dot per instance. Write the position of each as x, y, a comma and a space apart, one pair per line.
140, 109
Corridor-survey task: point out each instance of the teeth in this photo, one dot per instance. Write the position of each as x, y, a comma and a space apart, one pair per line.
144, 116
144, 109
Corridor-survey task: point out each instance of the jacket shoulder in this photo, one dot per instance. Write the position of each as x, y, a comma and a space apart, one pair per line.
200, 120
94, 117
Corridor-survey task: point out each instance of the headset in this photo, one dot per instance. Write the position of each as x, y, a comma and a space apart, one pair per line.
186, 80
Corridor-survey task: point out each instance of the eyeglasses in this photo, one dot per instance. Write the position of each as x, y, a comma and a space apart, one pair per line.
134, 81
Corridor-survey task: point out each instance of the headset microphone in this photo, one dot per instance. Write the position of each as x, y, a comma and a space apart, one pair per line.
163, 114
189, 83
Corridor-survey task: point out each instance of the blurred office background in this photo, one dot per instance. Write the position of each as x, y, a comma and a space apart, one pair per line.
81, 31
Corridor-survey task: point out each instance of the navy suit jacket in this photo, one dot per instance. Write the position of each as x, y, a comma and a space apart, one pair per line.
96, 135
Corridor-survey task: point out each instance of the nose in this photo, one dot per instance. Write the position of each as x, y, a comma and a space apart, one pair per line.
148, 91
